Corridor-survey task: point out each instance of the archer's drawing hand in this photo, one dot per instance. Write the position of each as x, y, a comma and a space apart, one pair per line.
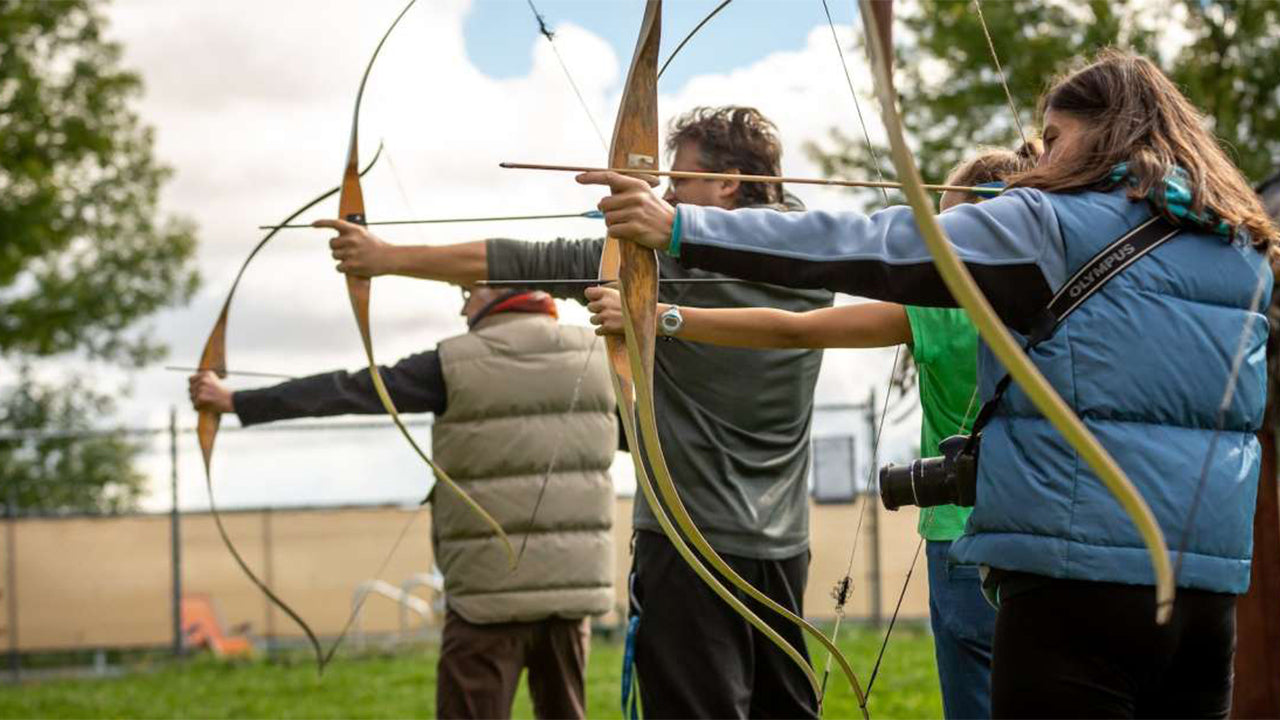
606, 310
209, 393
633, 212
358, 251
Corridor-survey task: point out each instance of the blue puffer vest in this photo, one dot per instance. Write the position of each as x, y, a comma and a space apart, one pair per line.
1145, 364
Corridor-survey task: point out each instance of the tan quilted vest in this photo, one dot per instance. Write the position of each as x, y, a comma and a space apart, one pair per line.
511, 382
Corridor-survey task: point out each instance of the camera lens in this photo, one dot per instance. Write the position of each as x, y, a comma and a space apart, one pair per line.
923, 483
895, 485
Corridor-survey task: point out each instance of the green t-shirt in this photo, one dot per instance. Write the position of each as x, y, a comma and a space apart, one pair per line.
944, 344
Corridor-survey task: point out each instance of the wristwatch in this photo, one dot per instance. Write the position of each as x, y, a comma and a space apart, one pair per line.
670, 322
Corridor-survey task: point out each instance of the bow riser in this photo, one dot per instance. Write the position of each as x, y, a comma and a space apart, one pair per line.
635, 146
213, 357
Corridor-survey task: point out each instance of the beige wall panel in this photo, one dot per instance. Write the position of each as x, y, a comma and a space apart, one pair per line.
621, 559
317, 560
104, 582
831, 532
898, 544
89, 582
8, 534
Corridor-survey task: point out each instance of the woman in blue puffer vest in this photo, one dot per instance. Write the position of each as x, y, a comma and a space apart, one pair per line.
1146, 363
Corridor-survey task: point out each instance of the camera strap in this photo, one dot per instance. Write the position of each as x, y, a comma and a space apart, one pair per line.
1084, 284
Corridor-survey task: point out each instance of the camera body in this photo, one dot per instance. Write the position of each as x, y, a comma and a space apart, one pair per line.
948, 480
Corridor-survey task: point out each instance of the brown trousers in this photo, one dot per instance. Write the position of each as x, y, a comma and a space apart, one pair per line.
480, 667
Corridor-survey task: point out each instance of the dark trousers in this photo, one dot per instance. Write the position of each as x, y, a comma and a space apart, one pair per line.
963, 624
1077, 649
480, 667
697, 658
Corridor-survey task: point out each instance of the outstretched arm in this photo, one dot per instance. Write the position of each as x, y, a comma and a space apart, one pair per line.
360, 252
1012, 245
416, 384
866, 325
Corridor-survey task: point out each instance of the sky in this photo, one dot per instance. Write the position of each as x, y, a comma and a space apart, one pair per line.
252, 103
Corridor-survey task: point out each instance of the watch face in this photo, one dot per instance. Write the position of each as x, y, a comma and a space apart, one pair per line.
671, 321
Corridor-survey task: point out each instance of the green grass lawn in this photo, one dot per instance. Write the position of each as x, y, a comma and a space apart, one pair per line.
402, 685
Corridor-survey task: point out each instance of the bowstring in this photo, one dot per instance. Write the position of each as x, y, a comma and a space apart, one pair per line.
413, 516
555, 453
1228, 396
404, 195
596, 340
915, 558
386, 561
1013, 109
550, 35
844, 65
689, 37
991, 46
844, 585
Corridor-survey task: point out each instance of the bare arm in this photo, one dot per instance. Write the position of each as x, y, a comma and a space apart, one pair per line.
866, 325
360, 252
460, 264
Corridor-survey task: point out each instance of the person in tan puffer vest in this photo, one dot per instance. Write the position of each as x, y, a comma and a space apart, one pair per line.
524, 418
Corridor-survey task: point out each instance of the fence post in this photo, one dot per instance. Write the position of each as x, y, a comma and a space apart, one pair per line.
175, 534
11, 578
269, 577
875, 571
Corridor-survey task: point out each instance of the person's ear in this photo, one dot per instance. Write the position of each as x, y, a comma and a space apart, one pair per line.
729, 188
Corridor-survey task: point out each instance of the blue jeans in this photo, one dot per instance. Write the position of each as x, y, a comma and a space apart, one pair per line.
963, 626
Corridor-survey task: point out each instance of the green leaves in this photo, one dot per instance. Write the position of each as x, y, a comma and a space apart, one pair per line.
1222, 54
85, 256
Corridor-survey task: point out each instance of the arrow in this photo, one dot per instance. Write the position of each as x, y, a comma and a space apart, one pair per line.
683, 174
225, 373
592, 282
590, 215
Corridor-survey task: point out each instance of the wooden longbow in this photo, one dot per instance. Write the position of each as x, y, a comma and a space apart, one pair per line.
213, 358
635, 146
351, 208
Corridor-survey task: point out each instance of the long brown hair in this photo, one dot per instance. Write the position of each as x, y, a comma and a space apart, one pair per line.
1134, 114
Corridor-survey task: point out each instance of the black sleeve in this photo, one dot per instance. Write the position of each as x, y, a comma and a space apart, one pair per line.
555, 260
416, 384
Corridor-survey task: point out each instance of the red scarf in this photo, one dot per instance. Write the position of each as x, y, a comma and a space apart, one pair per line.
535, 301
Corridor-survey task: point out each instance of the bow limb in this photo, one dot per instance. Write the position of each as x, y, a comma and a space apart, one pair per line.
351, 208
671, 496
963, 287
214, 358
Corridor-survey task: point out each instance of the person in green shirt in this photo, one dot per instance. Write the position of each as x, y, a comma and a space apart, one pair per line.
944, 345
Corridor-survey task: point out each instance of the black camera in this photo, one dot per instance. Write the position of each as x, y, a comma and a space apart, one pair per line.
948, 480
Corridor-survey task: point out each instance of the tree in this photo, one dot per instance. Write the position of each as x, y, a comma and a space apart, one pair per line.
1230, 71
67, 471
953, 100
85, 256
